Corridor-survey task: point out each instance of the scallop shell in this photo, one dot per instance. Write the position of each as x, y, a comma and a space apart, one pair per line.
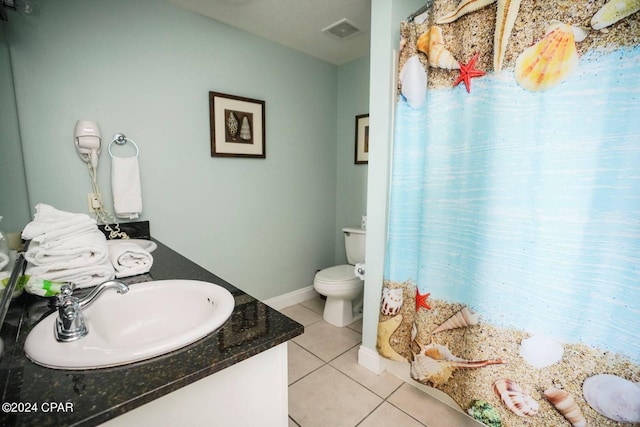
548, 62
540, 351
614, 397
613, 11
514, 398
414, 82
391, 301
432, 44
461, 319
566, 405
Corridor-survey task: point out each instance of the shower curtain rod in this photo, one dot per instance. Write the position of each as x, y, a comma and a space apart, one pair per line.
411, 17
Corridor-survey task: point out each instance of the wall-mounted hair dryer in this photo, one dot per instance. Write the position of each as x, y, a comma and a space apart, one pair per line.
88, 140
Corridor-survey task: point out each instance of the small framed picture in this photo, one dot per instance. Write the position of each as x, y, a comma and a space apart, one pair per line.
237, 126
362, 139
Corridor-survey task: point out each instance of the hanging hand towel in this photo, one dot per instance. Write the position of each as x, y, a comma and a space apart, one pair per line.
129, 259
125, 186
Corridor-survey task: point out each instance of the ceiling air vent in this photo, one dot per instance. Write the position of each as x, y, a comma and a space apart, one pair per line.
342, 29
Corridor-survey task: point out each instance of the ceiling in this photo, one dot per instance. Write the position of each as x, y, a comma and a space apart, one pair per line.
297, 24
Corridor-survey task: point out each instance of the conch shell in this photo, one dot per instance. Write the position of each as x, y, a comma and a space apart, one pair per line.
566, 405
461, 319
435, 363
391, 301
548, 62
514, 398
432, 44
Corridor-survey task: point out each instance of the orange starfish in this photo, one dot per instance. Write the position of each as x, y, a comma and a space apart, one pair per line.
421, 300
467, 72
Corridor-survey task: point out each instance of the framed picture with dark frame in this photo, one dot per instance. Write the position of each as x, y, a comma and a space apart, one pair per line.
362, 139
237, 126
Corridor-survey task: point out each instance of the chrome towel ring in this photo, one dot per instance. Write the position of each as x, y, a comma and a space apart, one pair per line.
121, 139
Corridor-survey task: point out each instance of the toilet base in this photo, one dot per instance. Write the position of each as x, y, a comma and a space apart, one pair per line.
339, 312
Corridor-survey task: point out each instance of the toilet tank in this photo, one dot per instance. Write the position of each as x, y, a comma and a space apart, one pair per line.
354, 243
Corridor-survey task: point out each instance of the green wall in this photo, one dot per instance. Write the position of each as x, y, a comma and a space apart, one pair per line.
144, 68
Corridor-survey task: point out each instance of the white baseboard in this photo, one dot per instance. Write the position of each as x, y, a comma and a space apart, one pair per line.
371, 360
292, 298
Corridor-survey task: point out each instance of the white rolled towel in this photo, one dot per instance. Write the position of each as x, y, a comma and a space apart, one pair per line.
359, 270
51, 227
81, 277
129, 259
82, 250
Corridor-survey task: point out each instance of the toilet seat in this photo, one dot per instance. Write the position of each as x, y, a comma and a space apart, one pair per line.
337, 274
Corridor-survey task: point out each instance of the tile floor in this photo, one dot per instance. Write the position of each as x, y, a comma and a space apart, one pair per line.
327, 387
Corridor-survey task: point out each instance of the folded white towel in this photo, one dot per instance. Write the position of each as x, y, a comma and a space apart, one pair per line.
51, 226
125, 186
78, 251
129, 259
81, 277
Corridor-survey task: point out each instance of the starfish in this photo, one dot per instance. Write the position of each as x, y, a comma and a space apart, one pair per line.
505, 18
467, 72
421, 300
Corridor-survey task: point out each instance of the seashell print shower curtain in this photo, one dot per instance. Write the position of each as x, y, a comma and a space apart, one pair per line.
512, 276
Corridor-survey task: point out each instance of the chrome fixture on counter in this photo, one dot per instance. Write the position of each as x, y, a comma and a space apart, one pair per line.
70, 324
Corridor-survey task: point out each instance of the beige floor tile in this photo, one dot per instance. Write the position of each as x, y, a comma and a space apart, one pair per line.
356, 326
300, 362
382, 385
301, 314
315, 304
292, 423
429, 410
388, 415
326, 397
327, 341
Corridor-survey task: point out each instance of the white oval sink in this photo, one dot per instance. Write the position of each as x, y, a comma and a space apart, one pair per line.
151, 319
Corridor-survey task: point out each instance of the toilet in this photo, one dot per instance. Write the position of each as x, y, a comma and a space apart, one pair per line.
340, 284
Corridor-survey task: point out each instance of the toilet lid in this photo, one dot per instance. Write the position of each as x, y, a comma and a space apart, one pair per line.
339, 273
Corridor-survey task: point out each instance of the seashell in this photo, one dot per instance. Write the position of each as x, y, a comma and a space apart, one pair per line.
548, 62
613, 11
385, 330
232, 124
540, 351
245, 129
566, 405
614, 397
514, 398
432, 44
435, 363
414, 82
461, 319
484, 412
391, 301
505, 18
464, 7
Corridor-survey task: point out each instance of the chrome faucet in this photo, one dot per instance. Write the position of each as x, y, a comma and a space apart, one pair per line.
70, 324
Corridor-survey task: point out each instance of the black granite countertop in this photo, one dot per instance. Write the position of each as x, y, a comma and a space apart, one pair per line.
90, 397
